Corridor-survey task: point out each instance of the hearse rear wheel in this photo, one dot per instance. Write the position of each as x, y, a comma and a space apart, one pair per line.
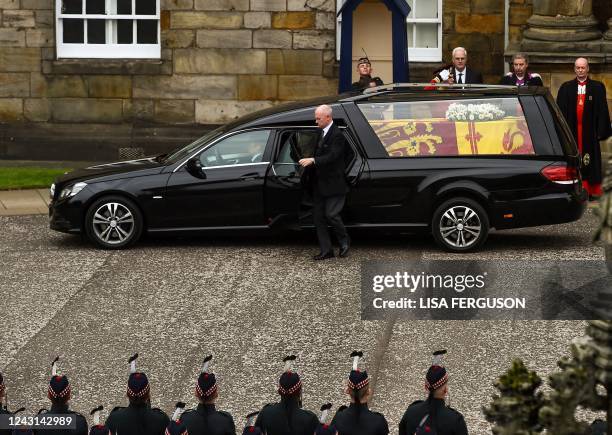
113, 222
460, 225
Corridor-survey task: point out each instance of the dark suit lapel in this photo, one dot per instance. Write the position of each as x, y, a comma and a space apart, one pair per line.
470, 77
328, 136
320, 139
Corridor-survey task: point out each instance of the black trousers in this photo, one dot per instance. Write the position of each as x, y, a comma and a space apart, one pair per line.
326, 212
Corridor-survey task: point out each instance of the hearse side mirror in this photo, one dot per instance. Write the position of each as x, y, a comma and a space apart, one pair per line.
195, 168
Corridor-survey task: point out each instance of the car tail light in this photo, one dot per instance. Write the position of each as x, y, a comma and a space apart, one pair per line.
561, 174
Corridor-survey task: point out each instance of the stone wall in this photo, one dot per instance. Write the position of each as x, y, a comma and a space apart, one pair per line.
220, 60
477, 25
520, 11
553, 61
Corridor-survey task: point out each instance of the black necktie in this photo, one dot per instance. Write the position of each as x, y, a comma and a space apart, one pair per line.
321, 137
460, 81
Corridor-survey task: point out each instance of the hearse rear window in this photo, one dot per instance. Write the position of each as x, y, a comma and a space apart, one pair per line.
493, 126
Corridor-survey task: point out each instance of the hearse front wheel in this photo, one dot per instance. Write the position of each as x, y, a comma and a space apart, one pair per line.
460, 225
113, 222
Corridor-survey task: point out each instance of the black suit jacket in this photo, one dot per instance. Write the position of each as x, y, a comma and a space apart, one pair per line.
471, 77
329, 179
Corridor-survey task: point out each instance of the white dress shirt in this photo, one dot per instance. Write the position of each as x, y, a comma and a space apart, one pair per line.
326, 129
457, 72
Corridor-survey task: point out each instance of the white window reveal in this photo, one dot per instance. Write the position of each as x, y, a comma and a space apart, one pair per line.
108, 29
425, 31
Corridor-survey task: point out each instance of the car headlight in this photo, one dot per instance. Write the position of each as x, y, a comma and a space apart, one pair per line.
70, 191
52, 191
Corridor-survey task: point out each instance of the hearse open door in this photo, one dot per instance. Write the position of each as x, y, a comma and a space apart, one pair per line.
288, 191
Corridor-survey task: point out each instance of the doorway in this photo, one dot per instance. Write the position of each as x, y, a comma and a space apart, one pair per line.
372, 34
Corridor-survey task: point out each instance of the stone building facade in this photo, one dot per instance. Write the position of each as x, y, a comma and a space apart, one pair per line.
554, 32
219, 59
477, 25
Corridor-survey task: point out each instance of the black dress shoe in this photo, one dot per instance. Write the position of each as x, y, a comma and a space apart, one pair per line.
344, 250
324, 256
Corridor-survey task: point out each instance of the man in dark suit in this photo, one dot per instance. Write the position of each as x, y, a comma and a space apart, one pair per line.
458, 72
520, 75
329, 184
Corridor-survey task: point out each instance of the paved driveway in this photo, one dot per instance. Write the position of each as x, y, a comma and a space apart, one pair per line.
249, 301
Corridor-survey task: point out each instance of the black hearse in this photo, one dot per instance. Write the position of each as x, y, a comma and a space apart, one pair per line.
451, 160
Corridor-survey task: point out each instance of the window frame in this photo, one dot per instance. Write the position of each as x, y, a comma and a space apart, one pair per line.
421, 54
108, 50
291, 131
537, 151
264, 155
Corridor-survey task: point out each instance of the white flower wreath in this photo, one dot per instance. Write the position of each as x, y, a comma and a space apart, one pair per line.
474, 112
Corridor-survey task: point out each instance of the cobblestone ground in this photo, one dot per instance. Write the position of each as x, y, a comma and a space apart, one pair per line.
250, 301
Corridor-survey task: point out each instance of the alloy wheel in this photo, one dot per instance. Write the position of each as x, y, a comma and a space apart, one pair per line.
460, 226
113, 223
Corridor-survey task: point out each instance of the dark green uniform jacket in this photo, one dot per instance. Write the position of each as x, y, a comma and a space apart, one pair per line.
137, 420
359, 420
286, 418
206, 420
444, 420
81, 422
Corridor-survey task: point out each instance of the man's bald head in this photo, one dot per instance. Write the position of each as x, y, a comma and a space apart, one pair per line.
581, 61
324, 109
323, 115
581, 68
